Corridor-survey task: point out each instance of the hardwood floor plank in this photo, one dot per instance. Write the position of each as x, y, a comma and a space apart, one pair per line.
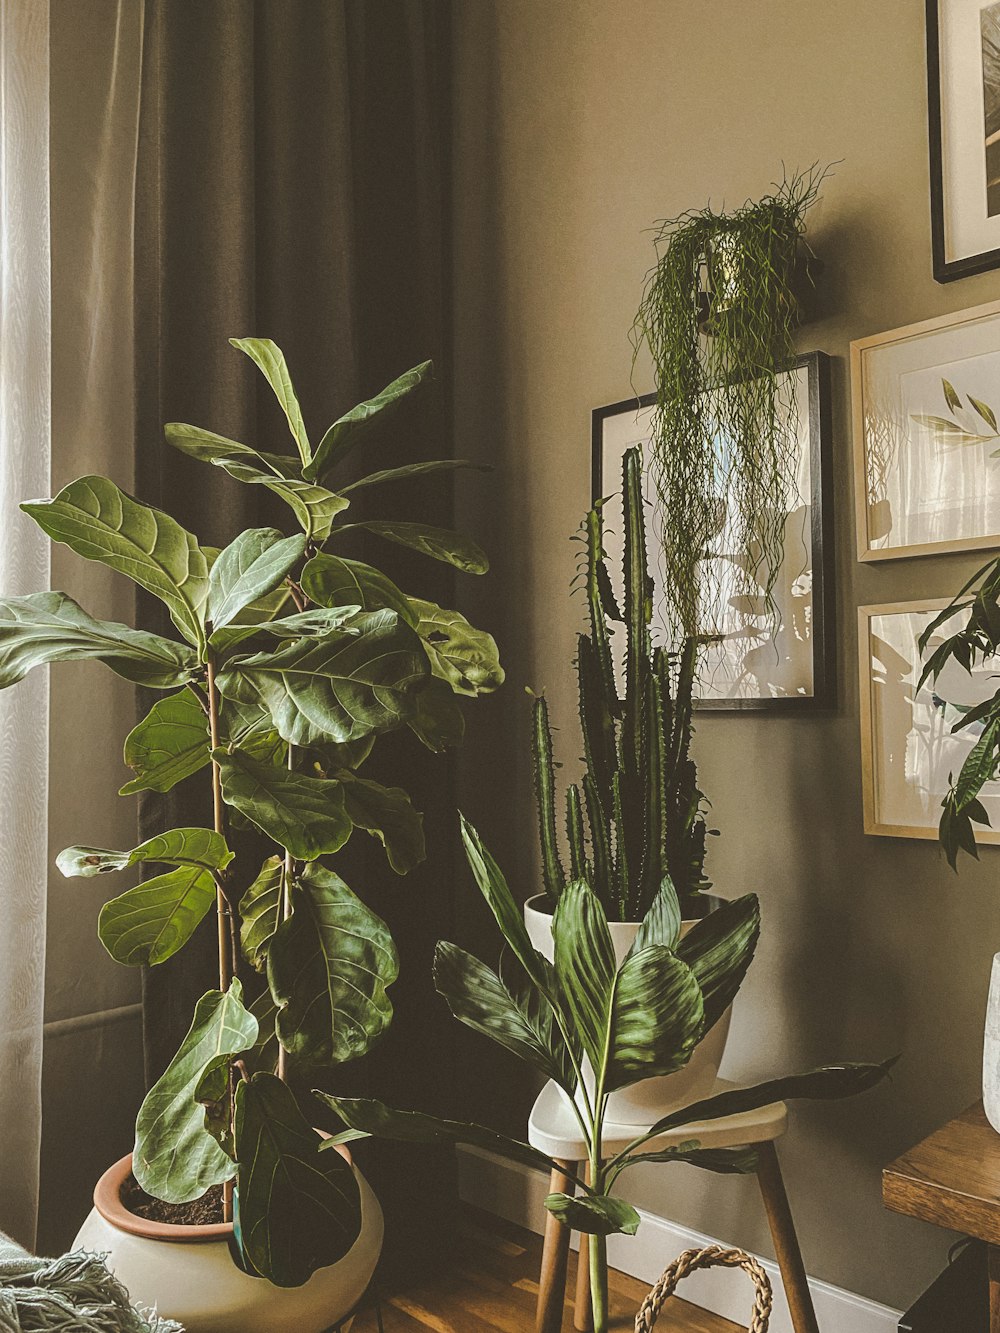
493, 1284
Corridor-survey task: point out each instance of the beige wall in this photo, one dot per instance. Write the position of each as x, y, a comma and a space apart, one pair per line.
578, 123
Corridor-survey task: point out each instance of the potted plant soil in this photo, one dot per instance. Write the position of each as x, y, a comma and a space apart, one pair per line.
290, 660
636, 818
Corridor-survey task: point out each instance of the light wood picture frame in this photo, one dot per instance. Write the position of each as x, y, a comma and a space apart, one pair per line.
794, 665
925, 403
908, 748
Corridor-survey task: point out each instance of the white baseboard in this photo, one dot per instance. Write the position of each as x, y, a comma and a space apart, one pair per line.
517, 1193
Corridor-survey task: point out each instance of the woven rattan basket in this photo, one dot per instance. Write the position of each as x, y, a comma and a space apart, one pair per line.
689, 1262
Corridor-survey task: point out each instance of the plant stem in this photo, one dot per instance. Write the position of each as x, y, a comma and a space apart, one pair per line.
224, 914
284, 912
599, 1281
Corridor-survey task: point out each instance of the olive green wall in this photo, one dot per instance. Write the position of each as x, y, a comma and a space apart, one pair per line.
577, 124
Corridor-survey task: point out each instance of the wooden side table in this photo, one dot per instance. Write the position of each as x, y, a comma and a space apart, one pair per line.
952, 1179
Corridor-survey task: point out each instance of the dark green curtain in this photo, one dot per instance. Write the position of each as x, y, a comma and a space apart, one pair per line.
293, 183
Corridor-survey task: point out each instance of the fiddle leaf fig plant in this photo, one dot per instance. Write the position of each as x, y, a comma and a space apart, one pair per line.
291, 658
593, 1026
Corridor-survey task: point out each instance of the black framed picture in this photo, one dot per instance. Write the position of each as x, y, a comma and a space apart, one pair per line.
779, 658
963, 107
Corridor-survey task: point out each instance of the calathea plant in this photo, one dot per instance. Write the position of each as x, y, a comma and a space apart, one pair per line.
291, 660
632, 1022
639, 815
976, 642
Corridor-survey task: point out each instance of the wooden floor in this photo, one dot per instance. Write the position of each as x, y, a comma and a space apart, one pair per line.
493, 1286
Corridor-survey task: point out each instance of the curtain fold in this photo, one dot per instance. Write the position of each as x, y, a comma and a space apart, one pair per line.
24, 568
292, 184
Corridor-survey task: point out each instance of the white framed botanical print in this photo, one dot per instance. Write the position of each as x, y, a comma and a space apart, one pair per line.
908, 748
750, 659
926, 408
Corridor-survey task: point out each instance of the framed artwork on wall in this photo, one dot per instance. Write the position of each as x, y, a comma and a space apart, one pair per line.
752, 658
908, 749
926, 404
963, 105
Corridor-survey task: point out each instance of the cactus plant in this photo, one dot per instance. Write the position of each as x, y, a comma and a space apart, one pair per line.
637, 816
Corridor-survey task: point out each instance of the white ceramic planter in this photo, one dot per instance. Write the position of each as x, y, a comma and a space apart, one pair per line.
195, 1281
991, 1049
646, 1101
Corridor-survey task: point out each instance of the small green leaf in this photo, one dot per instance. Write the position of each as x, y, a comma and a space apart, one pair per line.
313, 506
986, 412
176, 1159
951, 430
387, 814
250, 567
306, 815
415, 470
662, 923
50, 627
168, 745
465, 657
452, 548
148, 924
594, 1214
329, 965
352, 428
259, 910
950, 396
199, 847
331, 581
98, 521
208, 447
299, 1209
270, 359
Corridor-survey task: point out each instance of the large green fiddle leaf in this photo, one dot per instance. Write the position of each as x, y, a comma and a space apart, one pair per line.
452, 548
299, 1209
314, 506
357, 679
100, 522
259, 910
466, 657
437, 719
415, 470
719, 949
148, 924
306, 815
169, 744
270, 360
657, 1017
250, 567
387, 814
332, 581
354, 426
328, 965
208, 447
594, 1214
201, 848
585, 966
367, 1117
314, 624
478, 998
176, 1159
50, 627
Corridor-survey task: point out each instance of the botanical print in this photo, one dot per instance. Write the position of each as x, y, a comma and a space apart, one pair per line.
914, 751
750, 652
931, 443
989, 23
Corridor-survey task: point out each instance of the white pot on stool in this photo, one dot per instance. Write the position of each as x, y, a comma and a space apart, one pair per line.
187, 1273
644, 1102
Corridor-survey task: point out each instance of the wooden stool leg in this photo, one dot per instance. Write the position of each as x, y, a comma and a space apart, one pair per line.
555, 1253
583, 1310
994, 1271
786, 1242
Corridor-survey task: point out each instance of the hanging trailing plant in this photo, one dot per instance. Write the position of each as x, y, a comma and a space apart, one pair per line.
718, 314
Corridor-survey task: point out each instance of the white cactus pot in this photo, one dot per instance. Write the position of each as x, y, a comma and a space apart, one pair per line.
646, 1101
187, 1273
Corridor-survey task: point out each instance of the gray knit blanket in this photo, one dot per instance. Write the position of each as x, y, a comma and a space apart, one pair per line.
76, 1292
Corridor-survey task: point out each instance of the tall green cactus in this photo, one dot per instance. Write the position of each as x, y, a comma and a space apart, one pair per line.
638, 814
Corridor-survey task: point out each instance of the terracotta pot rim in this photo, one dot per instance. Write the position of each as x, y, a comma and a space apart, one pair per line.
539, 904
108, 1202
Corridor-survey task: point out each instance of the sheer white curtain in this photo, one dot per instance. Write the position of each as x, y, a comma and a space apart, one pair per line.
24, 568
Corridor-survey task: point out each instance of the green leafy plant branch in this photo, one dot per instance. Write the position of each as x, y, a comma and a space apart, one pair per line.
960, 428
293, 659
